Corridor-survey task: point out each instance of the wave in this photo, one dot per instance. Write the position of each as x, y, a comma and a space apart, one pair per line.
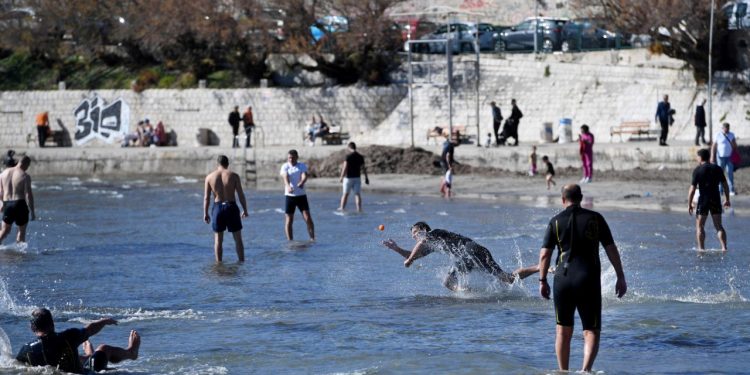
184, 180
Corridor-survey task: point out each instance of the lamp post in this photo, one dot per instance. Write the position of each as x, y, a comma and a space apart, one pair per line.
710, 76
536, 26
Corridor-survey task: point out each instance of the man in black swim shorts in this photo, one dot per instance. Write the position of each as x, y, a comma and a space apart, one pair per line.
706, 178
577, 232
17, 199
60, 349
468, 255
225, 215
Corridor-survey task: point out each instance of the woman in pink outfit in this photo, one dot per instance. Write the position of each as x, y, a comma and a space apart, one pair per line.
586, 142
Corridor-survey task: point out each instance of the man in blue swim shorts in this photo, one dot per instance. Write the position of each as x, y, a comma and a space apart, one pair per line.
17, 199
225, 215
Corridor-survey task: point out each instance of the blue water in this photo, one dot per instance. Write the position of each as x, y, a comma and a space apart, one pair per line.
139, 251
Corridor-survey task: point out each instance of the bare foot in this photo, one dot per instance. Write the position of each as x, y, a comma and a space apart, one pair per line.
134, 342
88, 349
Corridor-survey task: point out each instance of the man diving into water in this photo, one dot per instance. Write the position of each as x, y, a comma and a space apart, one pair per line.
468, 254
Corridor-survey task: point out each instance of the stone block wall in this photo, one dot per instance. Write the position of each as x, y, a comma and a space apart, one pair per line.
600, 89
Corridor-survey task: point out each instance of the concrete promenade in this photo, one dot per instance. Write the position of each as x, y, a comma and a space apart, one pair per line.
197, 161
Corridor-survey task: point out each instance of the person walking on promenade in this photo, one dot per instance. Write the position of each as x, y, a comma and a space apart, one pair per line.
700, 123
577, 233
42, 127
294, 175
497, 121
664, 116
550, 173
225, 215
17, 199
515, 121
249, 124
707, 178
721, 153
586, 149
60, 350
468, 255
351, 172
234, 122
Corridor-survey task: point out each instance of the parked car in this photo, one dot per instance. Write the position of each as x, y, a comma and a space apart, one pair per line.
415, 29
736, 14
521, 36
462, 38
586, 34
328, 25
488, 36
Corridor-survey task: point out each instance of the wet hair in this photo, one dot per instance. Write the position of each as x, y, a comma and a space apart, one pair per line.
8, 161
572, 193
293, 152
352, 146
421, 225
545, 158
585, 128
223, 161
704, 154
25, 162
41, 321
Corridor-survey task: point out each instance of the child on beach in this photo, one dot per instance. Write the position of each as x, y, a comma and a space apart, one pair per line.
532, 161
550, 172
447, 183
488, 142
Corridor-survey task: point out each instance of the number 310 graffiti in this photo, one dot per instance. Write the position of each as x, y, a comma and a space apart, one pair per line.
96, 119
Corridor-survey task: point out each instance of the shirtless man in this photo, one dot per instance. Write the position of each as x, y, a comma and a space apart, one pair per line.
468, 254
17, 199
225, 214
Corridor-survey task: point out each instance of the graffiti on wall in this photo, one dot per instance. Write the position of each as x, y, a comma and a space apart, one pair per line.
97, 119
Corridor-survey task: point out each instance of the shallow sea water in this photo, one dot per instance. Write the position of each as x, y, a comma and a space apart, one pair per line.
139, 251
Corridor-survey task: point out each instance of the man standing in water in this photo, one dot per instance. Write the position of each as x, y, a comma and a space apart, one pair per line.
17, 199
707, 177
60, 350
578, 274
294, 175
351, 177
225, 214
468, 254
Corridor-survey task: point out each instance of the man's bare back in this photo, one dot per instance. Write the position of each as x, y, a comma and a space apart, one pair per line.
14, 184
223, 184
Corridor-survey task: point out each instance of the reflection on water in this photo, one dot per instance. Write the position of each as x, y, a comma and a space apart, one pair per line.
345, 303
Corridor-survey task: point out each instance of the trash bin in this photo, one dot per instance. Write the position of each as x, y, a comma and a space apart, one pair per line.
546, 134
565, 130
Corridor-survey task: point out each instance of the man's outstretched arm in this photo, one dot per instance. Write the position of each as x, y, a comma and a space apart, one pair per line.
95, 327
621, 287
391, 244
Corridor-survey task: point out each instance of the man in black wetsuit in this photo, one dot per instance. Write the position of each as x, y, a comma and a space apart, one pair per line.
577, 232
467, 254
707, 177
60, 349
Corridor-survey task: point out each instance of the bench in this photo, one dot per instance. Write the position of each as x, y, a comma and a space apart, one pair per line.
639, 128
55, 138
459, 133
335, 136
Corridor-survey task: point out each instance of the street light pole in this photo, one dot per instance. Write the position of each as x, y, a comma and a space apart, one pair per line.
536, 26
710, 76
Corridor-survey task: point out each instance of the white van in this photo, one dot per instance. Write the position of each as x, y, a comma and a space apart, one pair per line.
737, 15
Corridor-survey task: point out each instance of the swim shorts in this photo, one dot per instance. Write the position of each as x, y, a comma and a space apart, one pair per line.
352, 185
225, 216
709, 207
293, 202
16, 212
97, 362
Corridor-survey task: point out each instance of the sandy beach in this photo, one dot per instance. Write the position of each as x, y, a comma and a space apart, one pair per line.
632, 190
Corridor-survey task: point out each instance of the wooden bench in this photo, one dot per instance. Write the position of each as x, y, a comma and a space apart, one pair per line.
459, 133
639, 128
335, 136
55, 138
